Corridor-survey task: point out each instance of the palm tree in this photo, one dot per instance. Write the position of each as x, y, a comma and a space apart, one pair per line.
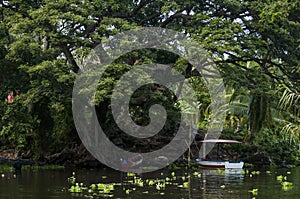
290, 102
255, 108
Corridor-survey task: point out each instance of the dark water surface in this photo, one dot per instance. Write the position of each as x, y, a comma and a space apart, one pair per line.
178, 183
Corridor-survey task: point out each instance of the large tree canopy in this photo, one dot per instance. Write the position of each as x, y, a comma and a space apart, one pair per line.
255, 44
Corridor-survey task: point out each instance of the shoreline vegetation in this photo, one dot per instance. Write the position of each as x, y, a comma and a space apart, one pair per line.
254, 45
79, 158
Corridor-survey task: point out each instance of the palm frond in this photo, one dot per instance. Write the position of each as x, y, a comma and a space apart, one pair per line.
292, 132
290, 101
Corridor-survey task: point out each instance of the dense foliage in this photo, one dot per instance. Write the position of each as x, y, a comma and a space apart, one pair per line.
255, 44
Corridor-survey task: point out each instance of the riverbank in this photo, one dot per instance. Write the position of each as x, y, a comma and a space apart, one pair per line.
79, 157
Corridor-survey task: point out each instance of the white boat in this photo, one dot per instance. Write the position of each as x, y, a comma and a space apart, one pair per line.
211, 163
208, 163
234, 165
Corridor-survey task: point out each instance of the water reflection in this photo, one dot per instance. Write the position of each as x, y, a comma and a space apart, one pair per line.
179, 183
214, 181
228, 175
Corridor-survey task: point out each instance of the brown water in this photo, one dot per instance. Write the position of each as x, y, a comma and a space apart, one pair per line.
38, 184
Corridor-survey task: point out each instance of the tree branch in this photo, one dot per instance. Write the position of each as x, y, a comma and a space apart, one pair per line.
69, 57
135, 10
177, 15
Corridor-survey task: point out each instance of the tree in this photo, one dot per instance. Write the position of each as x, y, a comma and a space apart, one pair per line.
255, 45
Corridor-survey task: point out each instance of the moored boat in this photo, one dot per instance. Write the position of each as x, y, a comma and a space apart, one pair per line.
211, 163
215, 163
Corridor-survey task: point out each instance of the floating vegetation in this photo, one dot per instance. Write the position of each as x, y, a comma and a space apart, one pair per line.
42, 167
250, 173
186, 185
255, 172
100, 189
72, 179
129, 174
254, 192
248, 165
131, 182
281, 178
285, 185
105, 188
173, 174
221, 171
76, 188
197, 174
160, 186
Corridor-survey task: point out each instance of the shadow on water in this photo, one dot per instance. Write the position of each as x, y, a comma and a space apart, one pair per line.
166, 183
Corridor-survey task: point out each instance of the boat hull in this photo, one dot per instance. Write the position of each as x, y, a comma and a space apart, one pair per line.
234, 165
220, 164
211, 164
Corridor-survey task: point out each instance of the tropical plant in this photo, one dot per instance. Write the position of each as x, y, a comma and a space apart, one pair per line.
290, 101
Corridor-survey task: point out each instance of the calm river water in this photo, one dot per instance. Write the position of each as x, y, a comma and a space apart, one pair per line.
168, 183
